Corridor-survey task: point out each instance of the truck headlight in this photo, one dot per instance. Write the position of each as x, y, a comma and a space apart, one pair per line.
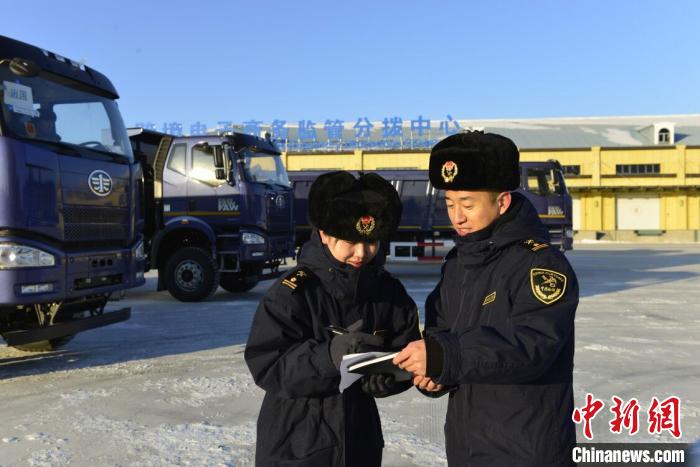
139, 253
569, 233
20, 256
252, 239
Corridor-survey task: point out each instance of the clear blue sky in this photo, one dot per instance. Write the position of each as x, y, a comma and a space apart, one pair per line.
316, 60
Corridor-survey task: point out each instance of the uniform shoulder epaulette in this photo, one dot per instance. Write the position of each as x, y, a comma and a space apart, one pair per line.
533, 245
297, 277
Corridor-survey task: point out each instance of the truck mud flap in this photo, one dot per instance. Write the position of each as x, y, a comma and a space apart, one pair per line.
21, 337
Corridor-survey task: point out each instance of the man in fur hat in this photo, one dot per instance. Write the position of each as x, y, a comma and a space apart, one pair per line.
500, 324
340, 281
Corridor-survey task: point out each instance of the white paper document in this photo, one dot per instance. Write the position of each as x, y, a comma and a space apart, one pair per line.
347, 378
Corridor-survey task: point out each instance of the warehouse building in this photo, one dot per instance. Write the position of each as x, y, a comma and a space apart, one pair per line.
631, 178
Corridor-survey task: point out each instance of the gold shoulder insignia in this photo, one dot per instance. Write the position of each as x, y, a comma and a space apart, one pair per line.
296, 278
533, 245
547, 286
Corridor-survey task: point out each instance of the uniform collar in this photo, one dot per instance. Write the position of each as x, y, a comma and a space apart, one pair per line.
344, 282
519, 222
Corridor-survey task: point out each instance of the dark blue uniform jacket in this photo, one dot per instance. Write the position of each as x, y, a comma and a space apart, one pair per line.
503, 316
304, 420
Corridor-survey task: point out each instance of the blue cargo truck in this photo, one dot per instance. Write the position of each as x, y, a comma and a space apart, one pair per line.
218, 210
70, 235
425, 231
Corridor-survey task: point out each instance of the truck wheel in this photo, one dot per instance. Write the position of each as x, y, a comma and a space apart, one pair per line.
191, 275
234, 283
45, 346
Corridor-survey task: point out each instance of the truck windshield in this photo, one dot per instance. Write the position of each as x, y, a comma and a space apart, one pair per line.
42, 109
264, 168
544, 181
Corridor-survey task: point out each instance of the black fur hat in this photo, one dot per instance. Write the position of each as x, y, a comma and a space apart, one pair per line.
475, 161
364, 209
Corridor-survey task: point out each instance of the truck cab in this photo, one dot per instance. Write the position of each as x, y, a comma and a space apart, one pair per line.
544, 185
425, 231
69, 230
218, 210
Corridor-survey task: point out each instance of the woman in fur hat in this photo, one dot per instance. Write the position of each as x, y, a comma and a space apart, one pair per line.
339, 281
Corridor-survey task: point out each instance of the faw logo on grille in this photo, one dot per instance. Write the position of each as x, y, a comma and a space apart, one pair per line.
100, 182
555, 211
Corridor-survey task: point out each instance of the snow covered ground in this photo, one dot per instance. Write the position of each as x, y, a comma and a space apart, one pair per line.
169, 386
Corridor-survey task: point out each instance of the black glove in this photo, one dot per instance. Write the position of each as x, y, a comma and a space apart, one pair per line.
378, 385
353, 342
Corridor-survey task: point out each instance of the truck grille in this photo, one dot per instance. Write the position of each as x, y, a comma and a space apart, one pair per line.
280, 247
85, 223
279, 218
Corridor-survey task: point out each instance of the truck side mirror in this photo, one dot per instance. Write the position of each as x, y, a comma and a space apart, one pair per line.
228, 157
218, 159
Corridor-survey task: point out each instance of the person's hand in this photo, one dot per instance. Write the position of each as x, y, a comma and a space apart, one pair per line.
353, 342
413, 358
426, 384
378, 385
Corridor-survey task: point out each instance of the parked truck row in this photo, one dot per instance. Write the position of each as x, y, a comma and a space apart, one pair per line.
425, 231
88, 207
86, 210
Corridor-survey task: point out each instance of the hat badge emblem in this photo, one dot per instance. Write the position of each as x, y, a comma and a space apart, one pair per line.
449, 171
365, 225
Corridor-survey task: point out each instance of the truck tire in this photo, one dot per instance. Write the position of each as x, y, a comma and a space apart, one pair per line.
233, 282
191, 275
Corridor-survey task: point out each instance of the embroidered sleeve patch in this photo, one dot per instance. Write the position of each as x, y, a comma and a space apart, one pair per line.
547, 286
